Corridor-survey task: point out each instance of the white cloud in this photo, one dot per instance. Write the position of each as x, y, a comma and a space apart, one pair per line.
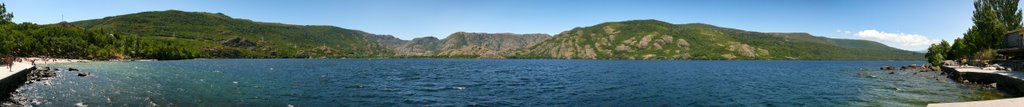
911, 40
897, 40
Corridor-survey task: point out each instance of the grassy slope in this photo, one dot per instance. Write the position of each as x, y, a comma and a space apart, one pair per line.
206, 31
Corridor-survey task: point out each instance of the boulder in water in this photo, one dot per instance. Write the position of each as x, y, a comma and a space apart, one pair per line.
82, 74
41, 74
72, 69
887, 68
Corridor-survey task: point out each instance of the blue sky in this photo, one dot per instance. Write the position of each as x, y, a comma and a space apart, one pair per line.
905, 24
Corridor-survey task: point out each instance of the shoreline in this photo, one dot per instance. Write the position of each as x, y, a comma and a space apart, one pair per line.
554, 59
1004, 81
14, 76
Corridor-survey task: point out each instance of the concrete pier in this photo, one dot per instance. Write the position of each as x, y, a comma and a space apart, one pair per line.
1009, 82
13, 77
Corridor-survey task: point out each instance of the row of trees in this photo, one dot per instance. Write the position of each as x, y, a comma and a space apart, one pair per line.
992, 19
27, 39
63, 40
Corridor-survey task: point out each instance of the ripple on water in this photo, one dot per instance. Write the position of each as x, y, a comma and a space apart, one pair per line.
485, 82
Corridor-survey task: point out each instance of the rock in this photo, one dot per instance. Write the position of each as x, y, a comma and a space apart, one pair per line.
41, 74
82, 74
44, 73
72, 69
888, 68
892, 72
238, 42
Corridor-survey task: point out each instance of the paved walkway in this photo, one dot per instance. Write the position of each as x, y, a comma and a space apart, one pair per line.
18, 67
1013, 74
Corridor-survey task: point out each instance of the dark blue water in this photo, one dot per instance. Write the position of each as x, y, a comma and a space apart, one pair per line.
491, 82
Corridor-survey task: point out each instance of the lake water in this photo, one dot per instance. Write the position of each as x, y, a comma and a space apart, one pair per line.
493, 82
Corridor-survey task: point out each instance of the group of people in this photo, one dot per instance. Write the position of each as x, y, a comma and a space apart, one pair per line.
9, 60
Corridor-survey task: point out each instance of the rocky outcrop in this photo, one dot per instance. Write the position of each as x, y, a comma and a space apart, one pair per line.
425, 46
464, 44
238, 42
388, 41
41, 74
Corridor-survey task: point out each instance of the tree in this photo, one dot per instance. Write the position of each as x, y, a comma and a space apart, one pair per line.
958, 50
1007, 12
992, 19
988, 29
937, 52
5, 17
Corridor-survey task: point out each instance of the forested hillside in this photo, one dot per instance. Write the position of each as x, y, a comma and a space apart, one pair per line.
218, 35
653, 39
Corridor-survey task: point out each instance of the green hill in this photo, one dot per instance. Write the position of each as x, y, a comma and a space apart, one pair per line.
653, 39
219, 35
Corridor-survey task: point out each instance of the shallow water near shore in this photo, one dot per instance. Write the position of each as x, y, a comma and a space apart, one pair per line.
492, 82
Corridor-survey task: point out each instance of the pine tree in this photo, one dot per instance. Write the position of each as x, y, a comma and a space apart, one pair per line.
1007, 12
5, 17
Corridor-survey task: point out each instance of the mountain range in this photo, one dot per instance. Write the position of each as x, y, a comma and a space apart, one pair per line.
462, 44
219, 35
653, 39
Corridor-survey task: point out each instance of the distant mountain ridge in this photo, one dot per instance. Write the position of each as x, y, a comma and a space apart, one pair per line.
463, 44
220, 36
653, 39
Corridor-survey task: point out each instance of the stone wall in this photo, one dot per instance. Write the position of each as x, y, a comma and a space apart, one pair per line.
1013, 87
11, 83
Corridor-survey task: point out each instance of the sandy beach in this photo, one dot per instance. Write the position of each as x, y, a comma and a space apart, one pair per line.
38, 60
29, 62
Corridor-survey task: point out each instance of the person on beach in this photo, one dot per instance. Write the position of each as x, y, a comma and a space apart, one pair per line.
9, 61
